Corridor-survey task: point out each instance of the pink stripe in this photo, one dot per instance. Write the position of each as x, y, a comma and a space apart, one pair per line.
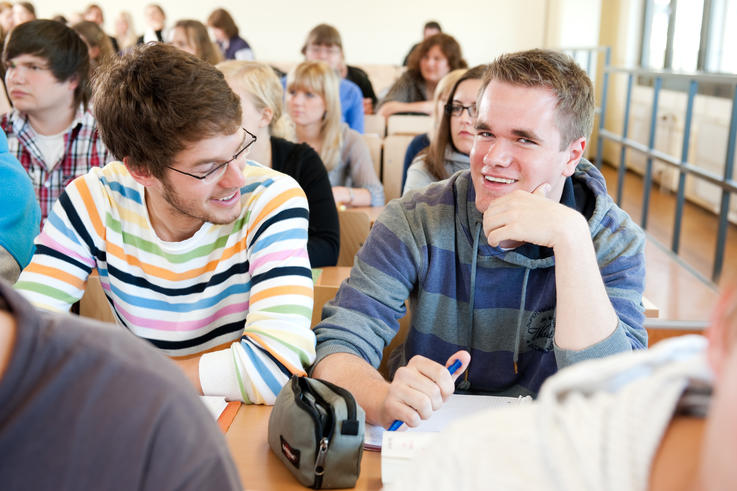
277, 256
162, 325
46, 240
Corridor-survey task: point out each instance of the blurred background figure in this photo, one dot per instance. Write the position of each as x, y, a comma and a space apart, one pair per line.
225, 32
261, 95
93, 13
325, 44
429, 62
125, 33
6, 19
191, 36
451, 144
99, 47
155, 22
430, 29
23, 12
314, 106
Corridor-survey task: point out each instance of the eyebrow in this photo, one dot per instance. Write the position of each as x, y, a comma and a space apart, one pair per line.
220, 161
530, 135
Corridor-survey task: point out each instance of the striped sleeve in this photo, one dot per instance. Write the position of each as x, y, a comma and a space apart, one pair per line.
277, 340
57, 275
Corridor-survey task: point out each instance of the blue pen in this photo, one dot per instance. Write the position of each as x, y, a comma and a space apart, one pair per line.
452, 369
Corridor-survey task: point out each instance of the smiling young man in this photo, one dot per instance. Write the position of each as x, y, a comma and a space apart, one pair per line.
50, 130
518, 267
196, 247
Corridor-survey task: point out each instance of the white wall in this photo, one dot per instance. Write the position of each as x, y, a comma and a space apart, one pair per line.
384, 32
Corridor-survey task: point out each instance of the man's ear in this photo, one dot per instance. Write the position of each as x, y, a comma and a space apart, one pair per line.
141, 175
574, 152
73, 82
720, 332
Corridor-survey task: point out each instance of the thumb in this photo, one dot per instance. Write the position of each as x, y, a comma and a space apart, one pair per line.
542, 190
464, 357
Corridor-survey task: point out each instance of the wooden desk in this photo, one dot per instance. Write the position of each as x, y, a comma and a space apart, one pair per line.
260, 469
373, 212
333, 275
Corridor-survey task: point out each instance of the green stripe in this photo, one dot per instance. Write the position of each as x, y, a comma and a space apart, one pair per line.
305, 312
240, 380
294, 349
46, 290
153, 248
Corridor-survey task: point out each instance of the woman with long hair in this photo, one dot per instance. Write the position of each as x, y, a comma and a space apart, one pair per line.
261, 96
125, 32
314, 106
453, 139
428, 63
99, 46
231, 44
191, 36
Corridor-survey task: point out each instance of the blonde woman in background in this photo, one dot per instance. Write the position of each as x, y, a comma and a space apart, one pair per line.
99, 46
125, 33
191, 36
261, 96
313, 104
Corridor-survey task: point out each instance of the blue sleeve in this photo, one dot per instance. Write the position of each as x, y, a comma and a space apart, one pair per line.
351, 104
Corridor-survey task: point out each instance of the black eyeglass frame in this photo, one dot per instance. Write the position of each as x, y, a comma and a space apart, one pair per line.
221, 166
449, 109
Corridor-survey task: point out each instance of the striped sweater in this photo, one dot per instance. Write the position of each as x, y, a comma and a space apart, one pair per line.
247, 283
500, 307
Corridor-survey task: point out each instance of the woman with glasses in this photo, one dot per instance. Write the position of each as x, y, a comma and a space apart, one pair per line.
428, 63
261, 97
451, 144
314, 106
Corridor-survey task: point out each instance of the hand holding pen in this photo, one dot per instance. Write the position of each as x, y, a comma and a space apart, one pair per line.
421, 387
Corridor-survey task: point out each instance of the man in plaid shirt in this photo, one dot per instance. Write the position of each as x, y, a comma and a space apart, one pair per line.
50, 130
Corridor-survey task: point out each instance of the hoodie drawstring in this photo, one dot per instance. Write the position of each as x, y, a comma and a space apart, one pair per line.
465, 384
519, 319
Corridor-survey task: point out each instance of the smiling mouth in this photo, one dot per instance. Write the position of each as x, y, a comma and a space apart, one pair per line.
226, 198
500, 180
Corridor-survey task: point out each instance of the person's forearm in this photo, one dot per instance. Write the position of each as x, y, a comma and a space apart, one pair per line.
584, 312
361, 379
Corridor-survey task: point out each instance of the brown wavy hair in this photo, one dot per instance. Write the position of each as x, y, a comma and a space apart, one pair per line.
198, 37
154, 101
447, 44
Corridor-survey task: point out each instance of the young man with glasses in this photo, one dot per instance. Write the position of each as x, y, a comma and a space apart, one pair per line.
196, 246
516, 268
50, 131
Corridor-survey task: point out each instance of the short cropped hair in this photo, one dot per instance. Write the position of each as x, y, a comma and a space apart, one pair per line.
62, 48
323, 35
555, 71
447, 44
156, 100
433, 24
221, 19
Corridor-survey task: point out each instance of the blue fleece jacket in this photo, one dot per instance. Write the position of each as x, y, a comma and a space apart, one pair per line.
429, 247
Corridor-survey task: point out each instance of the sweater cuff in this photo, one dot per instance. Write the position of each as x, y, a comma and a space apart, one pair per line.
217, 375
616, 342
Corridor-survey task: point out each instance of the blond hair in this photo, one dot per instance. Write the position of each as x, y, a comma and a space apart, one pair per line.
317, 77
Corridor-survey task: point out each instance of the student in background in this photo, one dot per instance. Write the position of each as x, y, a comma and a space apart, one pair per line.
314, 106
99, 47
325, 44
662, 419
87, 407
6, 19
19, 215
453, 139
430, 61
50, 130
23, 12
197, 248
555, 278
232, 46
430, 28
191, 36
262, 98
93, 13
155, 23
125, 32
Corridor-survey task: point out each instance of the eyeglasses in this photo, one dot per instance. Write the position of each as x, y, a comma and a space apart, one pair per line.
218, 170
455, 109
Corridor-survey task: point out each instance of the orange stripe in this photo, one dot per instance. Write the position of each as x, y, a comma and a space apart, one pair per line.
89, 204
57, 274
275, 203
257, 338
281, 290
